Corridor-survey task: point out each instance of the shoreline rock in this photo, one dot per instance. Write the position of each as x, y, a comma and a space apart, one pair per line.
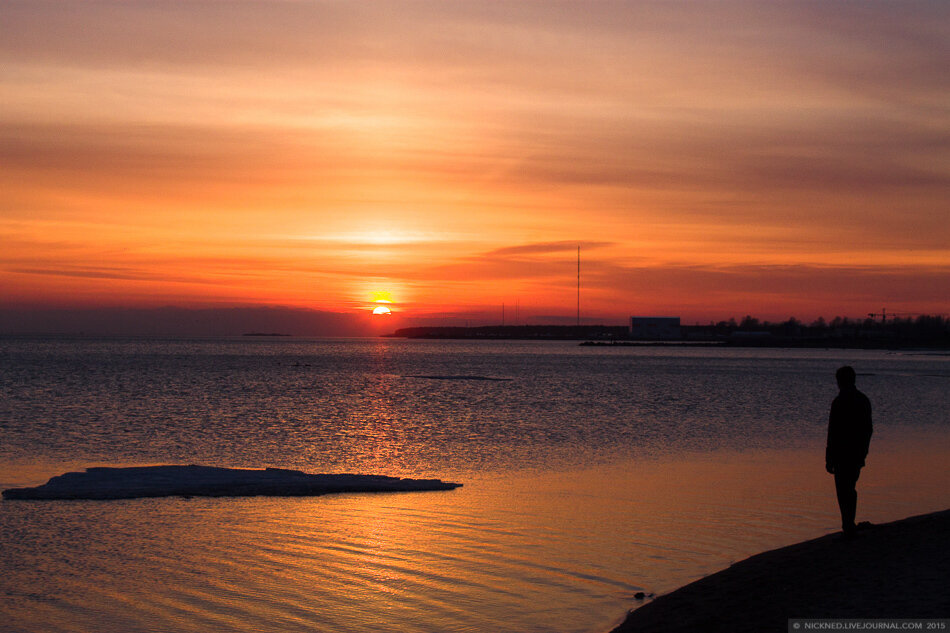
893, 570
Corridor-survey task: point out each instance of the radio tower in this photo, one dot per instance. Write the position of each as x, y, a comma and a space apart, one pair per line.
578, 284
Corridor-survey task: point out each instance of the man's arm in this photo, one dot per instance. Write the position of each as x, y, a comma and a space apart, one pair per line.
829, 460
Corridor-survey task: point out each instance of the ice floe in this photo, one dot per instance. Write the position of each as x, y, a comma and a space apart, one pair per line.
209, 481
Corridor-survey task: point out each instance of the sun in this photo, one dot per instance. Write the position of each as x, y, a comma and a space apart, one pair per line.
380, 299
381, 302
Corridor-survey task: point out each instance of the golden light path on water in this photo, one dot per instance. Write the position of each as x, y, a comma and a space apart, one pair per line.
516, 552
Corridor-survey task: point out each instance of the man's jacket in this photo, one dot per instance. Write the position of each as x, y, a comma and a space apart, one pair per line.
849, 430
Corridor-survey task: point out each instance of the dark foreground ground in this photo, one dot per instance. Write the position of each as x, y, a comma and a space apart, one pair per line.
893, 570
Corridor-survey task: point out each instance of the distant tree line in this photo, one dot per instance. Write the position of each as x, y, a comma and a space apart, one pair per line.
923, 330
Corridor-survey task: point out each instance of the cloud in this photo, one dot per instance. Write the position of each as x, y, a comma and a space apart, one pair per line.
130, 157
542, 248
223, 321
772, 291
113, 273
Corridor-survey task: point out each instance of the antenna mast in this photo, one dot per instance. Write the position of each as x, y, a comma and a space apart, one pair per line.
578, 284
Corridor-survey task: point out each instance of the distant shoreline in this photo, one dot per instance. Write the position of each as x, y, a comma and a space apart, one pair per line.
893, 570
619, 336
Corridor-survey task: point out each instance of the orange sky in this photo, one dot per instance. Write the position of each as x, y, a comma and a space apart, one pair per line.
711, 159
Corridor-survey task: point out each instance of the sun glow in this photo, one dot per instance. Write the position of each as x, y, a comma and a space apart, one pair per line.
305, 169
382, 310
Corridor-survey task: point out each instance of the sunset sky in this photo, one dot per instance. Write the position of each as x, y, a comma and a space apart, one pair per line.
711, 159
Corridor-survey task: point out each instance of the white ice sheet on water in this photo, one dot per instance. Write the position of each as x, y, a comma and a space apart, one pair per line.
210, 481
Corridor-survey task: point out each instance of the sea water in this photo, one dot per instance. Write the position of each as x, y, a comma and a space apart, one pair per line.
591, 474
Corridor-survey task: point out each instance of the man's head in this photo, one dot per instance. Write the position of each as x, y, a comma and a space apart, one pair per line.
845, 377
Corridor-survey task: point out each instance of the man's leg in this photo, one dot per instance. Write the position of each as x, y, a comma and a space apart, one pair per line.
845, 481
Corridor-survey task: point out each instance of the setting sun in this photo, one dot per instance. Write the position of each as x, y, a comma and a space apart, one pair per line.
382, 310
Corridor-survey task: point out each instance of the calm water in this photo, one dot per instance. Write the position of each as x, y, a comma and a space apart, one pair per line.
591, 474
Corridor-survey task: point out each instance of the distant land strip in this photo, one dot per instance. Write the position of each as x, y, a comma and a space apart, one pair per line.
930, 332
524, 332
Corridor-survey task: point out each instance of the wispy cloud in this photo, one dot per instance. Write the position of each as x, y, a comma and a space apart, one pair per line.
544, 248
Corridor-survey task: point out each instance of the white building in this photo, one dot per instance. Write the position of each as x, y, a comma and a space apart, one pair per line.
655, 328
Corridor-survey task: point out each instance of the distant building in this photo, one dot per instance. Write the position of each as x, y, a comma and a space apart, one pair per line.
655, 328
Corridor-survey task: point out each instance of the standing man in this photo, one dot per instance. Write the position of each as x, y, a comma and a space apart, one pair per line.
849, 433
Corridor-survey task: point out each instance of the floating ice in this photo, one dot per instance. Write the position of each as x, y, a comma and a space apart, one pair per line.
209, 481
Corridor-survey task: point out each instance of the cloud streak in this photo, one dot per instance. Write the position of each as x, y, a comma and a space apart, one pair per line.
544, 248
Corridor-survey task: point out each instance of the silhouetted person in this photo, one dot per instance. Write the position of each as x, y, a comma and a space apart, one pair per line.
849, 433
